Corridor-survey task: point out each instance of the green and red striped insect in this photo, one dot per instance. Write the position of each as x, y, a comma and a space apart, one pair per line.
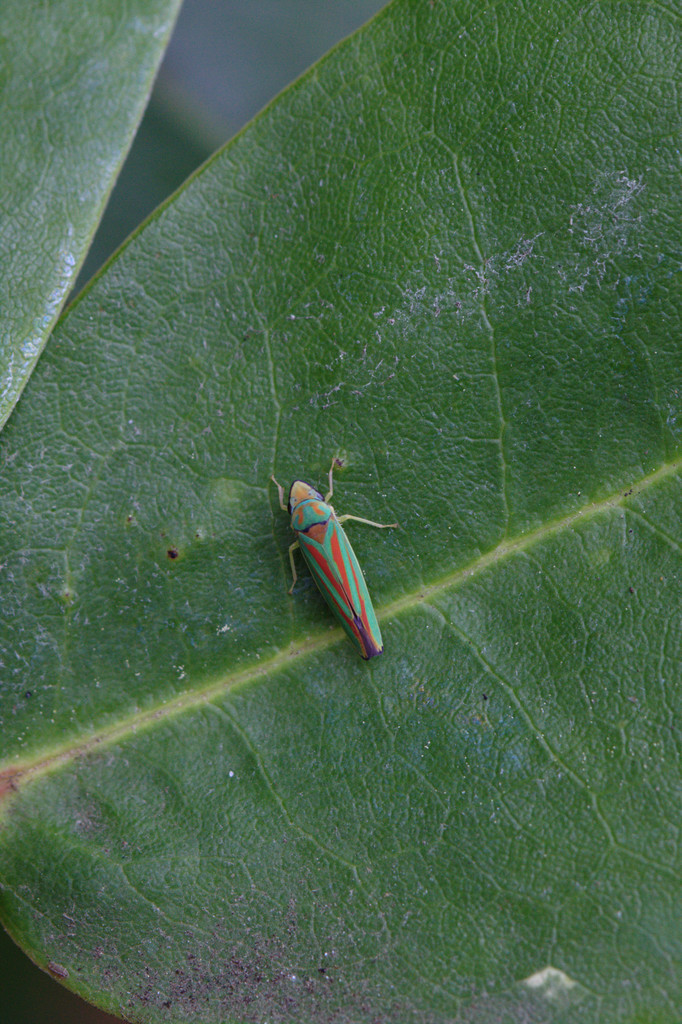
332, 561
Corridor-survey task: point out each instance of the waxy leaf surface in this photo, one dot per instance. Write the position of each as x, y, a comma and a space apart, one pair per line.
74, 81
449, 255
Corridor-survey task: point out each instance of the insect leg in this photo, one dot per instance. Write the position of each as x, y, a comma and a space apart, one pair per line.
331, 481
280, 491
369, 522
292, 548
358, 519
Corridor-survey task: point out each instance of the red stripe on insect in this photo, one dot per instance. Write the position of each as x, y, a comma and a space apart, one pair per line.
358, 588
340, 564
322, 564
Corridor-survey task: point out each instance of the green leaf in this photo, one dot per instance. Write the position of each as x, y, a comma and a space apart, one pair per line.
450, 253
74, 81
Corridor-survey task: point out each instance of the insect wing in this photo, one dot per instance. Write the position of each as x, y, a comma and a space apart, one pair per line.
337, 573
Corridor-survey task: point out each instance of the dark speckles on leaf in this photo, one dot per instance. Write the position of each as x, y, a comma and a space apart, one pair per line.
172, 552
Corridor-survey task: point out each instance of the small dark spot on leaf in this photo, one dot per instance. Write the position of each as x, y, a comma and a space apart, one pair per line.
28, 694
485, 696
631, 589
172, 552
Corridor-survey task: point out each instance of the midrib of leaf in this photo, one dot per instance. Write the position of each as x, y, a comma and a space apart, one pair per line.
11, 778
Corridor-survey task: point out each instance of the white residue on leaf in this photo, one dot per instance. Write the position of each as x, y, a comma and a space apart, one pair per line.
464, 293
550, 982
602, 227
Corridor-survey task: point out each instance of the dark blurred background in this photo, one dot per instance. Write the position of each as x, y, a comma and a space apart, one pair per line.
227, 59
